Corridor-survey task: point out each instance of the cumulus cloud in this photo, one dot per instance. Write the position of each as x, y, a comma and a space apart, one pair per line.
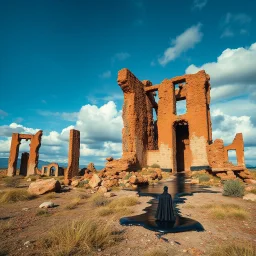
199, 4
233, 72
235, 24
226, 126
182, 43
102, 124
233, 95
100, 134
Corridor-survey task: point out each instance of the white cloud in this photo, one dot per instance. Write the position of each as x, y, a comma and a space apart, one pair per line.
233, 67
182, 43
105, 75
233, 95
101, 124
199, 4
226, 126
120, 56
100, 134
235, 24
3, 114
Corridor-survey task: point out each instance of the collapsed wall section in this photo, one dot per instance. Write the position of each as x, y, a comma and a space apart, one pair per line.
137, 133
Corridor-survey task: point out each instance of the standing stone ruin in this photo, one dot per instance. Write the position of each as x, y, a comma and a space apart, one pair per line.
29, 161
174, 142
73, 156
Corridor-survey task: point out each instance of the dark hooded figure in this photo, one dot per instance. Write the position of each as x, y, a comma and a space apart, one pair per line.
165, 210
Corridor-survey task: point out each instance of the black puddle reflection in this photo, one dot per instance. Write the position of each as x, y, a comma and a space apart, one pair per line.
177, 188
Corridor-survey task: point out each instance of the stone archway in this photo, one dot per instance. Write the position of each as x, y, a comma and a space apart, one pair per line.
35, 143
53, 169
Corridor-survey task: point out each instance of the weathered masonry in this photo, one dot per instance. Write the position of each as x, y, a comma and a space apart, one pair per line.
175, 142
28, 161
73, 156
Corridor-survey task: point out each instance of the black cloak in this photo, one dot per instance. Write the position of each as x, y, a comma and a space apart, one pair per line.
165, 210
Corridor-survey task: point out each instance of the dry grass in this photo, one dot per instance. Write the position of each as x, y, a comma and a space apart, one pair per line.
74, 203
12, 182
43, 212
235, 249
84, 196
156, 252
105, 211
118, 207
50, 195
223, 211
189, 206
253, 191
81, 238
99, 200
123, 202
15, 195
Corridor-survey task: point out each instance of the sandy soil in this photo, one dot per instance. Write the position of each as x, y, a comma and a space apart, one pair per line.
19, 225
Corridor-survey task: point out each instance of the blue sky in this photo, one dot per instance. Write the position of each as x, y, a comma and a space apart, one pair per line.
60, 58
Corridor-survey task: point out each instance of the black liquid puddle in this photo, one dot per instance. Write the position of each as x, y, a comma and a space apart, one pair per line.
178, 189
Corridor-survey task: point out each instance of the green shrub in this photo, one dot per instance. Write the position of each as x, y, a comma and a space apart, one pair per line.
82, 183
42, 212
204, 178
233, 188
128, 176
155, 166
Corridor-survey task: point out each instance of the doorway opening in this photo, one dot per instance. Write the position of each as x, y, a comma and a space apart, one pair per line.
52, 171
232, 156
183, 155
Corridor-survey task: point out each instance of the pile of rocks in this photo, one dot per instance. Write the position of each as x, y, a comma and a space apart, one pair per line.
101, 181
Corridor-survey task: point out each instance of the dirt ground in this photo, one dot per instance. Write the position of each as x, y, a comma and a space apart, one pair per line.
19, 224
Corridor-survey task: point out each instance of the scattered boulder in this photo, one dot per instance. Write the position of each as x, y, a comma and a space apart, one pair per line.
95, 181
41, 187
47, 205
250, 188
109, 158
103, 189
75, 183
133, 179
91, 167
250, 181
250, 196
154, 175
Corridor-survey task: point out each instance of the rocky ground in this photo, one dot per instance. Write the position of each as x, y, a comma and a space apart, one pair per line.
23, 228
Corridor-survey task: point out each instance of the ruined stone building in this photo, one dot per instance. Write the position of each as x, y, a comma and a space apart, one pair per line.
174, 142
29, 161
